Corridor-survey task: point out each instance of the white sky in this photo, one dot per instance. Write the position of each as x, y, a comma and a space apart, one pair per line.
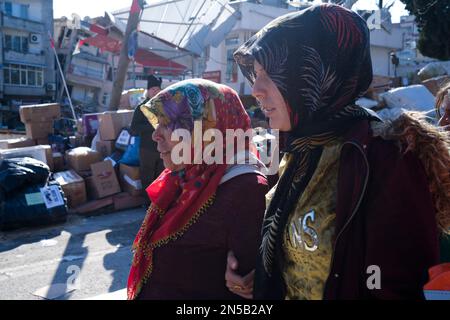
95, 8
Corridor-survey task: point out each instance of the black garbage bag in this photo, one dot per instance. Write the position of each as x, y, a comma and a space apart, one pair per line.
38, 205
19, 172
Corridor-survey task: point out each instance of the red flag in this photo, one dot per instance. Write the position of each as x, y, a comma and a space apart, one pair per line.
80, 43
52, 42
135, 7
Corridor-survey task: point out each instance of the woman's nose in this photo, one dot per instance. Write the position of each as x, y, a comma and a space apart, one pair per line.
157, 135
258, 90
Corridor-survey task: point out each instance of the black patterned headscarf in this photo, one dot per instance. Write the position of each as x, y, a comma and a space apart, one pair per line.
319, 59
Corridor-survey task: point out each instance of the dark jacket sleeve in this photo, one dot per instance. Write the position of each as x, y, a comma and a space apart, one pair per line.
400, 226
139, 123
244, 235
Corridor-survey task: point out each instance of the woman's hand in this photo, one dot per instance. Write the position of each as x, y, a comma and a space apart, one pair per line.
241, 286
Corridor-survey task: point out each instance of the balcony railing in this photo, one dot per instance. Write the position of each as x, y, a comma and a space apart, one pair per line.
87, 72
22, 24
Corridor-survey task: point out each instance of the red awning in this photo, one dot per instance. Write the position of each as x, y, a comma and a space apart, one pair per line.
104, 43
144, 57
158, 63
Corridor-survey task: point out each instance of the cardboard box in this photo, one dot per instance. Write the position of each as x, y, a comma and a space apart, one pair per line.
95, 207
104, 180
80, 159
17, 143
124, 201
115, 158
39, 130
124, 140
41, 153
112, 122
130, 180
73, 186
106, 148
40, 112
76, 141
90, 124
58, 162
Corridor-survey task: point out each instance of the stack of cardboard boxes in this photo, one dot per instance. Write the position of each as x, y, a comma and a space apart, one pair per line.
38, 120
93, 181
104, 178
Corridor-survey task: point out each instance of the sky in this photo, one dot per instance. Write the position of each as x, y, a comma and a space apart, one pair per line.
95, 8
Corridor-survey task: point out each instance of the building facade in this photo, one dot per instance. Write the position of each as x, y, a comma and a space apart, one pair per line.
87, 69
27, 59
219, 60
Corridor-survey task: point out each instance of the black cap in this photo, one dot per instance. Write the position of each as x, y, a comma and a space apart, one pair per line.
153, 82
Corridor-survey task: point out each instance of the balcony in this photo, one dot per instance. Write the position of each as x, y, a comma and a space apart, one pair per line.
85, 76
24, 58
24, 90
22, 24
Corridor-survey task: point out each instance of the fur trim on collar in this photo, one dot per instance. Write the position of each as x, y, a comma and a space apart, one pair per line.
432, 145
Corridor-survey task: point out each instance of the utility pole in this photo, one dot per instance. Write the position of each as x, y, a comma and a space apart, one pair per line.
133, 22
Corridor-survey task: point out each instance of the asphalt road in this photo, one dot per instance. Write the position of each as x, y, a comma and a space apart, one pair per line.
81, 259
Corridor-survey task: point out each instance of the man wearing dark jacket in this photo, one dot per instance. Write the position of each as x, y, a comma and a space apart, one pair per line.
150, 161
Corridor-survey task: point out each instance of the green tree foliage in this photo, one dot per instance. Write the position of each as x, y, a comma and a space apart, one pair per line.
433, 20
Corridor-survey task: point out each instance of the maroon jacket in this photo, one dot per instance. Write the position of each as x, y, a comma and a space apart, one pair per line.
193, 266
385, 218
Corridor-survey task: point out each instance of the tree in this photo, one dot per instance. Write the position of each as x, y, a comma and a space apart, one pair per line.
433, 21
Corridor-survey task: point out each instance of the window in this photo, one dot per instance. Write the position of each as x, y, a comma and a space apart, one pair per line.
6, 76
32, 77
8, 42
232, 67
24, 47
24, 11
233, 41
40, 79
15, 76
83, 94
22, 75
8, 8
16, 10
105, 99
16, 43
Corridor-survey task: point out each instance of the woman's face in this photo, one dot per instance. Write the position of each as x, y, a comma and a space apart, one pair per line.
271, 101
445, 120
153, 91
162, 136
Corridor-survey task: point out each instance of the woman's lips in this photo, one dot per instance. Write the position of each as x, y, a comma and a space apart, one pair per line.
268, 111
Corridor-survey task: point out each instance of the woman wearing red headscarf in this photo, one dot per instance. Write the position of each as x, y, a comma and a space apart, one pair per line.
199, 211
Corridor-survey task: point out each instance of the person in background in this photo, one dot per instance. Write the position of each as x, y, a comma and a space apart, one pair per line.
359, 205
151, 164
443, 106
198, 212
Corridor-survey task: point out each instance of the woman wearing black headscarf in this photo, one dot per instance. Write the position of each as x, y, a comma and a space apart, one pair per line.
351, 216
